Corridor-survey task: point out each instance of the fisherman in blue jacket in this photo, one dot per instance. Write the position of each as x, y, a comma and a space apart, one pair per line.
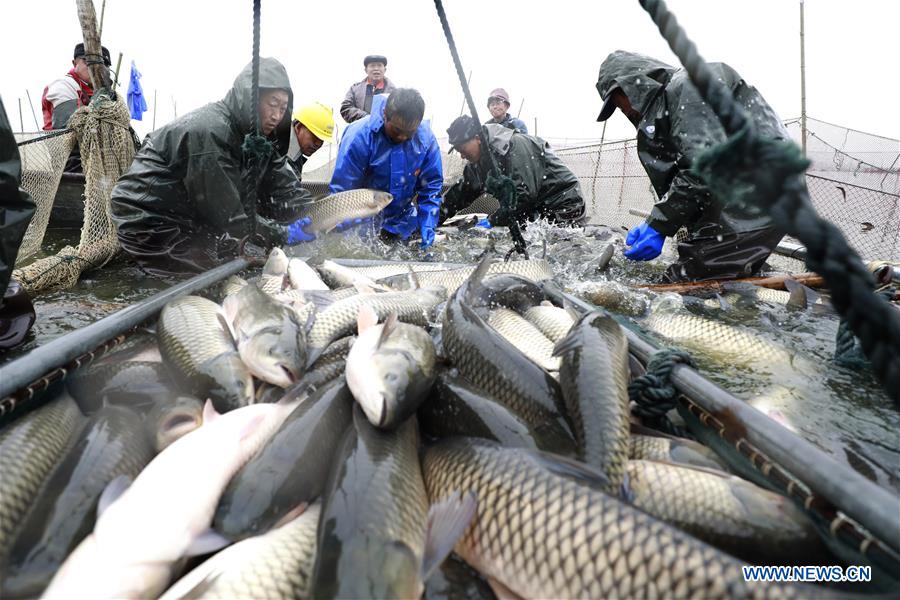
392, 150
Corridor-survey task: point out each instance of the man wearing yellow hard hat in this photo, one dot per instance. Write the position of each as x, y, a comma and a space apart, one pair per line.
313, 125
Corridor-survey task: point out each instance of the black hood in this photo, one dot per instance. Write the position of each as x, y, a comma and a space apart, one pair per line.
640, 77
272, 75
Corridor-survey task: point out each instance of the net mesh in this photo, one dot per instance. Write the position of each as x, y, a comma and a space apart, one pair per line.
43, 159
107, 149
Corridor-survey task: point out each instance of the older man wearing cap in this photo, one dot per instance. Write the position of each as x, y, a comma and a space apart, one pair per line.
63, 96
498, 105
545, 187
674, 126
358, 101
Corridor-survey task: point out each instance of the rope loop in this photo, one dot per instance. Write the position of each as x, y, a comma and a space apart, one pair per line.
654, 394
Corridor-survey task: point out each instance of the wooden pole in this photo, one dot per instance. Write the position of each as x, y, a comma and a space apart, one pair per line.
88, 19
153, 127
102, 14
118, 66
802, 79
21, 121
775, 282
37, 127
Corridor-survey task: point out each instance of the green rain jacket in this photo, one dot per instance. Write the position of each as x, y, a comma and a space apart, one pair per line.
183, 205
545, 187
676, 126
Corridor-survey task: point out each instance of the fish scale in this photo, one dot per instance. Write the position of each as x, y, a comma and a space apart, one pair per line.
113, 443
277, 565
536, 269
372, 529
524, 336
594, 380
545, 535
331, 211
675, 450
29, 449
737, 516
491, 363
552, 321
340, 318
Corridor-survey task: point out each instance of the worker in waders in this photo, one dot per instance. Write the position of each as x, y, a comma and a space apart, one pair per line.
545, 187
16, 210
184, 204
674, 126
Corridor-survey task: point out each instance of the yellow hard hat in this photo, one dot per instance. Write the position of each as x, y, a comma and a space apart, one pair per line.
318, 118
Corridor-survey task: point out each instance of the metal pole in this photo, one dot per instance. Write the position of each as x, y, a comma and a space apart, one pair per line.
33, 115
153, 127
872, 506
802, 80
21, 122
535, 126
59, 352
462, 105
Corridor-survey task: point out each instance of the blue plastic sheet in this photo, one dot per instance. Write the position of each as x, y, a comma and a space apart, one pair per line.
136, 103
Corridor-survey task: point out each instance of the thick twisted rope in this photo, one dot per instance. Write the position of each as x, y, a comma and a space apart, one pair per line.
496, 184
768, 175
655, 395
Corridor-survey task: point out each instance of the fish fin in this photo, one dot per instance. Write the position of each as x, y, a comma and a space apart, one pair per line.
291, 515
320, 298
570, 342
570, 310
363, 288
414, 282
572, 469
366, 318
477, 275
230, 307
626, 492
501, 591
226, 326
209, 412
798, 297
546, 303
723, 303
447, 521
544, 255
390, 324
112, 492
206, 543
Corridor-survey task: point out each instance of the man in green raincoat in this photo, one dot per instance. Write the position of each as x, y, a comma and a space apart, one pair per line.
674, 125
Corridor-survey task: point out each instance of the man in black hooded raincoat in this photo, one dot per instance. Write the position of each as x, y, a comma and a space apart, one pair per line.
674, 125
16, 210
184, 204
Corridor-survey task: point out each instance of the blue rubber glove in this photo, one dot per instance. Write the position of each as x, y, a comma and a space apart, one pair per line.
485, 223
296, 233
646, 243
349, 224
428, 220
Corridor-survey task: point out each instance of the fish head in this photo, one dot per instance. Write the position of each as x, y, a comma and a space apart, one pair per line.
396, 387
380, 199
277, 263
274, 355
232, 383
169, 421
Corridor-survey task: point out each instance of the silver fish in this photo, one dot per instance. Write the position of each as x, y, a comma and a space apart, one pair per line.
331, 211
552, 321
524, 336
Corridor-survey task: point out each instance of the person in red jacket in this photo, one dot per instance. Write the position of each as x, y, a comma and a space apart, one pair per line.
63, 96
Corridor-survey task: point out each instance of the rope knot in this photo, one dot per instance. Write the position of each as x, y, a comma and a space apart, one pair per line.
654, 394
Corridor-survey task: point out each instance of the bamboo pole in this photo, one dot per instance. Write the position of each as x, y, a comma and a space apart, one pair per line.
521, 104
462, 106
37, 127
775, 282
118, 66
153, 127
21, 121
88, 19
102, 14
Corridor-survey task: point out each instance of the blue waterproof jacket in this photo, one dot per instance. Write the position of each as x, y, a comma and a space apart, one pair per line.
368, 159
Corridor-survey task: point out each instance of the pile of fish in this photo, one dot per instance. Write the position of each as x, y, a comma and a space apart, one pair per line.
392, 431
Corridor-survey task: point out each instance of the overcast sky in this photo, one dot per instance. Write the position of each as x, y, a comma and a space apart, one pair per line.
548, 53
